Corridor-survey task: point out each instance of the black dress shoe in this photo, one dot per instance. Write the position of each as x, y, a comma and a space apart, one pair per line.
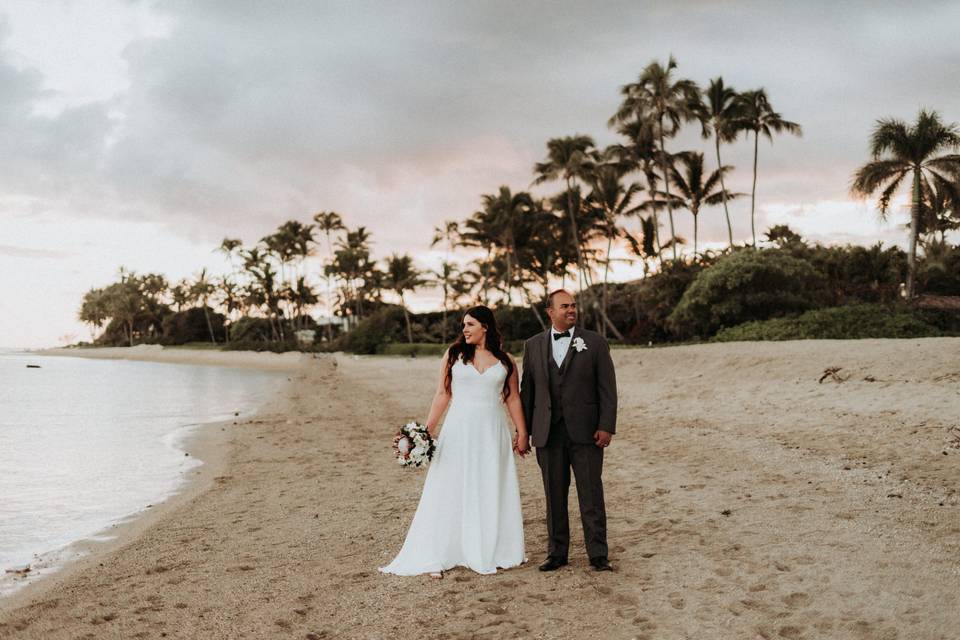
600, 563
553, 563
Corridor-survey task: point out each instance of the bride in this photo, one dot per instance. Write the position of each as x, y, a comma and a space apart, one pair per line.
469, 511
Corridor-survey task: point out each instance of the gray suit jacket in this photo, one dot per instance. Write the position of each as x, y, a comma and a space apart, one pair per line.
588, 393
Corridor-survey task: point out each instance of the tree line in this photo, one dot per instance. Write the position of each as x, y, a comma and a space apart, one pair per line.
522, 245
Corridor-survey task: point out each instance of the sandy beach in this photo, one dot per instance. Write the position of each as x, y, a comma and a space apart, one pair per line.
751, 492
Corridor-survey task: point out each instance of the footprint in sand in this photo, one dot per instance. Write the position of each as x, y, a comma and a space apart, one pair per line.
795, 600
494, 609
644, 623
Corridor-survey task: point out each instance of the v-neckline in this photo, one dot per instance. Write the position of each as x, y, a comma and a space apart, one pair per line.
472, 366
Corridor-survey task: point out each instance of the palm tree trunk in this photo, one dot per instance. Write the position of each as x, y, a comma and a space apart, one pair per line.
329, 277
533, 307
695, 235
723, 190
206, 316
576, 235
486, 277
753, 192
651, 182
443, 331
914, 233
509, 279
606, 272
666, 187
406, 317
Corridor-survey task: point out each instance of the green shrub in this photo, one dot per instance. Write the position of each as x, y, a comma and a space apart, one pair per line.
947, 321
191, 326
938, 272
655, 299
835, 323
382, 327
856, 274
517, 323
745, 286
249, 328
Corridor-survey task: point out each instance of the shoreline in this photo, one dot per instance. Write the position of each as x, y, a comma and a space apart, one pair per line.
207, 442
265, 360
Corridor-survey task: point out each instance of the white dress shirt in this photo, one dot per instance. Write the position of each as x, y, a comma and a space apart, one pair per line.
561, 346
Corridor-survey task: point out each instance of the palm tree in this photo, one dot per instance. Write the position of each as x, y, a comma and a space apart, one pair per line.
301, 296
200, 291
123, 302
665, 103
613, 200
900, 150
695, 191
229, 248
548, 253
262, 290
402, 276
509, 216
229, 295
448, 232
358, 272
180, 295
641, 154
644, 247
757, 115
328, 223
718, 115
94, 310
569, 159
940, 213
446, 276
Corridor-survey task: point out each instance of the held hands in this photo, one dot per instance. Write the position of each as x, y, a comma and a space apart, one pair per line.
602, 439
521, 444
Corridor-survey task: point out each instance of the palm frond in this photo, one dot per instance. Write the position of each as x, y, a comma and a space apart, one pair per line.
872, 175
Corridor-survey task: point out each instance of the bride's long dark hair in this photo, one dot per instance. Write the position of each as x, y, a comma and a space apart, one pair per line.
461, 350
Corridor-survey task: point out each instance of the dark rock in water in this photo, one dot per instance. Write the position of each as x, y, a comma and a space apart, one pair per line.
24, 570
33, 366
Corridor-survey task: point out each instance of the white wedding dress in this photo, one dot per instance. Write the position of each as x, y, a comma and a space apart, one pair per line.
469, 511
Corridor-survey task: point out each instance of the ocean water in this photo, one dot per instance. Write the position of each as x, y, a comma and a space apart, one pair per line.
86, 443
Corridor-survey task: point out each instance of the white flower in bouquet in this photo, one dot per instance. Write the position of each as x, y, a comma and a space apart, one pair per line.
413, 445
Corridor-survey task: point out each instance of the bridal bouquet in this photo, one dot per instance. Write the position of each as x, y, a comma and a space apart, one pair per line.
413, 445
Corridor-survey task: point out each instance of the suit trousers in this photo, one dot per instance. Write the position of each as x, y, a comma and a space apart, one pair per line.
555, 460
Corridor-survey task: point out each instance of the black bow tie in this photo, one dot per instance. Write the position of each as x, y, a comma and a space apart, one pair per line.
565, 334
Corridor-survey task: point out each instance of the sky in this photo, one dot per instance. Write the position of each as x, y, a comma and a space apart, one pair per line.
142, 133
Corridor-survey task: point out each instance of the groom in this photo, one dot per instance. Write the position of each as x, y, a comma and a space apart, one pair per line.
569, 395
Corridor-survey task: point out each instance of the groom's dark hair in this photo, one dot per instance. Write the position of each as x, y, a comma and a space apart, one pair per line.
493, 342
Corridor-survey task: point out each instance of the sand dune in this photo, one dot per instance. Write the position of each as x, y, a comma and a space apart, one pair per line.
747, 499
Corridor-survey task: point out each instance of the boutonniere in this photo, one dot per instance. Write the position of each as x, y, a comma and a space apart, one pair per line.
579, 344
